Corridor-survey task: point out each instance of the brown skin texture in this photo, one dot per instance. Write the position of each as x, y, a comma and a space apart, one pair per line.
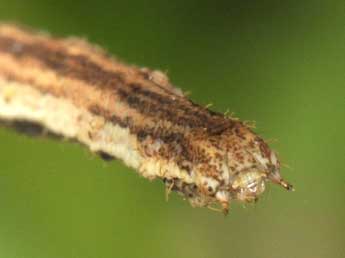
204, 144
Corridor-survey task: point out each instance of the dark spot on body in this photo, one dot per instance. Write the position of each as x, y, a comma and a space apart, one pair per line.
105, 156
30, 128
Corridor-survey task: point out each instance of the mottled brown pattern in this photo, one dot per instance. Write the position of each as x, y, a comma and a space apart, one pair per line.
135, 94
203, 143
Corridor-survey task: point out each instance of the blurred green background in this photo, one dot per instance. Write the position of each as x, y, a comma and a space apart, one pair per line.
280, 63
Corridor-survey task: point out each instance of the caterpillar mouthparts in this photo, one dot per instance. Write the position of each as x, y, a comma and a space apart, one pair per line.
76, 90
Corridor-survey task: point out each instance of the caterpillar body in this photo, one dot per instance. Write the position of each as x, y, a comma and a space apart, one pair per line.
76, 90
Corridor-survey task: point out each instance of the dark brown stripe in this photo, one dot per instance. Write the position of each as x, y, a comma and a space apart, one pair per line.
177, 144
179, 110
73, 66
168, 137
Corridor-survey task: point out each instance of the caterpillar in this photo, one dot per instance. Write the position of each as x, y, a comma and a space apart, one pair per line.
76, 90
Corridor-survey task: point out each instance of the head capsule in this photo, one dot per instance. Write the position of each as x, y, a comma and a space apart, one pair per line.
248, 185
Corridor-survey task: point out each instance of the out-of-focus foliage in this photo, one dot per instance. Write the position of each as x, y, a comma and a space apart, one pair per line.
280, 63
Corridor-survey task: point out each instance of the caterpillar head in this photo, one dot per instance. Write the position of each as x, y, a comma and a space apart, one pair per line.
250, 183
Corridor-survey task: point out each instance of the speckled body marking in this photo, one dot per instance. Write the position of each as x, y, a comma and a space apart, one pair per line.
76, 90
